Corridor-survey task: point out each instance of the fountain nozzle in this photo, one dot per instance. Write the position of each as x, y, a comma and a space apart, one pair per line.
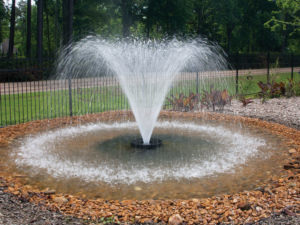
139, 143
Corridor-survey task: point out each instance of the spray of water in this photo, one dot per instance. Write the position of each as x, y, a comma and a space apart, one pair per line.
145, 69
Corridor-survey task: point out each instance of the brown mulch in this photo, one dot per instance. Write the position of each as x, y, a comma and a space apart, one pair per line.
279, 197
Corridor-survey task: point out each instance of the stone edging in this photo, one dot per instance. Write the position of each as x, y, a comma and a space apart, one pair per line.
247, 206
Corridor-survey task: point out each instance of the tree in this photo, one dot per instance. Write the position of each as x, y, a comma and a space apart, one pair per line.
126, 17
168, 17
47, 27
2, 16
92, 16
286, 20
205, 18
288, 14
39, 31
229, 15
67, 21
12, 29
28, 39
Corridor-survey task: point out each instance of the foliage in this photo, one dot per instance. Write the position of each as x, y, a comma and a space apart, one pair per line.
215, 99
292, 88
184, 103
245, 100
277, 89
3, 12
108, 220
286, 19
237, 25
272, 90
286, 15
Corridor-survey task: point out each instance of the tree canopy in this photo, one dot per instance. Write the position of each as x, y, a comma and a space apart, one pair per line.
244, 26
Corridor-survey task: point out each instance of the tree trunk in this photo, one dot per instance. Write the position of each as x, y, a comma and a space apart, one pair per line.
57, 27
1, 18
126, 20
229, 34
67, 21
12, 29
28, 40
48, 29
40, 31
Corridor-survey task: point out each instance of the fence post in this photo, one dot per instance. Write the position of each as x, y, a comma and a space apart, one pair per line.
197, 84
268, 68
70, 96
292, 66
237, 75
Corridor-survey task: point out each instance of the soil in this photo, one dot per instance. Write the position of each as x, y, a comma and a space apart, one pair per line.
278, 201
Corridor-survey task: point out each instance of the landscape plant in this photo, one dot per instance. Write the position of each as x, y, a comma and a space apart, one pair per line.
213, 99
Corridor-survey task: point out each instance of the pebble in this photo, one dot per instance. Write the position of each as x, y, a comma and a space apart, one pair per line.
287, 112
137, 188
292, 151
49, 192
258, 209
175, 220
60, 200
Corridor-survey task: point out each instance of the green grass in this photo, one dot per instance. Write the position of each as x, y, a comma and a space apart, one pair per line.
19, 108
249, 86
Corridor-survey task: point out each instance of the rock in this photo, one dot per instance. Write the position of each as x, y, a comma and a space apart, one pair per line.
60, 200
258, 209
137, 218
292, 151
244, 206
235, 200
267, 190
49, 192
146, 220
288, 166
16, 192
196, 200
175, 219
19, 176
261, 189
137, 188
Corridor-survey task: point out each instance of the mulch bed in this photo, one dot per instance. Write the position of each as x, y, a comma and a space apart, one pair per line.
278, 196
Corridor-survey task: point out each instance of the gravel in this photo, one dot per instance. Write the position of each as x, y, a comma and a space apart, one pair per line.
15, 211
285, 111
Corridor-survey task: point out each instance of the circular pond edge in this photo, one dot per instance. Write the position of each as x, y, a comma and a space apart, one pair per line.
274, 195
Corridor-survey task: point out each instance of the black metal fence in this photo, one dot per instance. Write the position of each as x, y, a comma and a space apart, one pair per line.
22, 101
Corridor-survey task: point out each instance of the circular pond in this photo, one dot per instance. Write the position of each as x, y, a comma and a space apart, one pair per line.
198, 158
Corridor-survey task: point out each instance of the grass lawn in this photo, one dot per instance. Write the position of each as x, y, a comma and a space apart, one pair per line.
19, 108
249, 86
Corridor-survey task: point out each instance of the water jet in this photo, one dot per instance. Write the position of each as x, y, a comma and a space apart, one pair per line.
145, 69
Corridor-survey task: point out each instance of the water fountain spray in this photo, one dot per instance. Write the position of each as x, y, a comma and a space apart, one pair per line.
145, 70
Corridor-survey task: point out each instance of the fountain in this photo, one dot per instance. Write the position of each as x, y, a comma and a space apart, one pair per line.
105, 157
145, 70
